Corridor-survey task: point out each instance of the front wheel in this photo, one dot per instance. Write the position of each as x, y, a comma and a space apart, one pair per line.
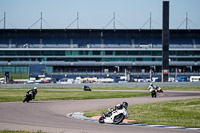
101, 120
118, 119
25, 99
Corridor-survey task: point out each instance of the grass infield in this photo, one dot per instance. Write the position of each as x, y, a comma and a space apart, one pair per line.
184, 113
9, 95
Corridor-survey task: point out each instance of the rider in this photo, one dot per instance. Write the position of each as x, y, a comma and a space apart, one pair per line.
125, 105
120, 106
33, 92
86, 88
151, 87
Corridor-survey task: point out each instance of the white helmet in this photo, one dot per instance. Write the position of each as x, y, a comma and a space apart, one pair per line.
151, 84
35, 88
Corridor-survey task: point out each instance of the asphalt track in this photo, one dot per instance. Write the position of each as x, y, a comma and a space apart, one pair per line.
50, 116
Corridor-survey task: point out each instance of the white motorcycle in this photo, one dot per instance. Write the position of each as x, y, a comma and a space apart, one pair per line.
158, 89
115, 116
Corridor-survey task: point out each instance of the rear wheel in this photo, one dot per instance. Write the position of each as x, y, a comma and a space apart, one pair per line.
118, 119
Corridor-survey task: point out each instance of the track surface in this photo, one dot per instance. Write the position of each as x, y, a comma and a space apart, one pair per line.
50, 116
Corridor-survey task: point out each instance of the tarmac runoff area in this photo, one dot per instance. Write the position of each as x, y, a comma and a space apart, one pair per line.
50, 116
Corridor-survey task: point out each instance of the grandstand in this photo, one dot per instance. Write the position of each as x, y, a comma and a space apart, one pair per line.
86, 52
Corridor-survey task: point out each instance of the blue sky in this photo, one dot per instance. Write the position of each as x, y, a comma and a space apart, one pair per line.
96, 14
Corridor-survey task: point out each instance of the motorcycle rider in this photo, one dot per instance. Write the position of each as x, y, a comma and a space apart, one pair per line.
86, 88
125, 105
115, 115
33, 92
120, 106
152, 90
151, 87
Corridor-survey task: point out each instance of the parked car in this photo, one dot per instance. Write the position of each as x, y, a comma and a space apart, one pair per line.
195, 79
182, 79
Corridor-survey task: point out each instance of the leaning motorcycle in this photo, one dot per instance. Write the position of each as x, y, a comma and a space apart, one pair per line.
86, 88
114, 117
158, 89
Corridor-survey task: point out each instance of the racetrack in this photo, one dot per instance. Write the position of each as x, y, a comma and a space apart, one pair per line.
50, 116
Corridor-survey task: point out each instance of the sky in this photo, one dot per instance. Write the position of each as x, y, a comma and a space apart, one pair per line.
96, 14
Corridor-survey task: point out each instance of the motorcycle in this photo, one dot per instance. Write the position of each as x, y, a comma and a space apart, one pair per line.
86, 88
114, 116
30, 95
158, 89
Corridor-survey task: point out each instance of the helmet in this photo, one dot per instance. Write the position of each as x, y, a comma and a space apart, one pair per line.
35, 88
125, 105
151, 84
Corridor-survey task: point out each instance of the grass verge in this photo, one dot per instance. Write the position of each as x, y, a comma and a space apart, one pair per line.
184, 113
18, 95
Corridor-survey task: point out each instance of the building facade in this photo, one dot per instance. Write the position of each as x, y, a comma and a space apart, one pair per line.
98, 51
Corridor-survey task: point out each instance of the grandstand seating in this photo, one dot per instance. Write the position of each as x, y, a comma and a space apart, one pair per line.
3, 62
3, 45
122, 41
93, 63
147, 46
24, 62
